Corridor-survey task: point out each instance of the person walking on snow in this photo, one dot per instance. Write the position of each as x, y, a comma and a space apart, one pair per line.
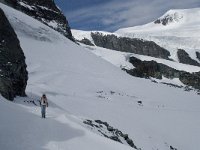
43, 104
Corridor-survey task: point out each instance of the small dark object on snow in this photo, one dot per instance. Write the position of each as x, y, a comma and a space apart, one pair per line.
139, 102
172, 148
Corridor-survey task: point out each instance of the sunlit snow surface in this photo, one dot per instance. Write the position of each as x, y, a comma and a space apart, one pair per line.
184, 33
72, 77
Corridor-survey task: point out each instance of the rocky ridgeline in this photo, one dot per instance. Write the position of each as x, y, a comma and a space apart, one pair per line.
147, 69
132, 45
137, 46
13, 73
164, 21
104, 129
184, 58
45, 11
169, 18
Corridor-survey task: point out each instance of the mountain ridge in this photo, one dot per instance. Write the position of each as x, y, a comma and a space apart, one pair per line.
162, 32
178, 17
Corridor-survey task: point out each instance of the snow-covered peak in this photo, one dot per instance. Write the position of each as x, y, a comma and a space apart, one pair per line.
172, 16
180, 16
185, 20
176, 29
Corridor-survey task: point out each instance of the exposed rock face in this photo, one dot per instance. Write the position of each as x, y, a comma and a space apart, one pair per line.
86, 42
164, 21
198, 55
147, 69
45, 11
190, 79
185, 58
169, 18
13, 73
125, 44
103, 128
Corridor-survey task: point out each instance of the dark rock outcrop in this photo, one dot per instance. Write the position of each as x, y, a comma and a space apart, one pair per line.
198, 55
132, 45
172, 148
45, 11
110, 132
164, 21
147, 69
184, 58
86, 42
169, 18
13, 73
190, 79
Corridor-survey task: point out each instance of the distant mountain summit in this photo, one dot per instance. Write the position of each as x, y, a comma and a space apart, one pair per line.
156, 50
175, 22
170, 17
176, 29
45, 11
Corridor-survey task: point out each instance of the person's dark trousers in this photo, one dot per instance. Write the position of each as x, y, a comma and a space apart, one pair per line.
43, 111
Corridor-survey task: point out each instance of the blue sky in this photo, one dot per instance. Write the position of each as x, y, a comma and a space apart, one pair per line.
110, 15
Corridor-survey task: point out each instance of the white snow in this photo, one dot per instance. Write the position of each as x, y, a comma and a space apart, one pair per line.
174, 81
71, 78
117, 58
120, 59
80, 34
175, 65
53, 24
45, 8
182, 33
25, 5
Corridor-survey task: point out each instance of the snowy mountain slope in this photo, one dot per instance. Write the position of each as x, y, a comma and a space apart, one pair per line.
120, 59
179, 22
176, 29
79, 35
21, 129
82, 85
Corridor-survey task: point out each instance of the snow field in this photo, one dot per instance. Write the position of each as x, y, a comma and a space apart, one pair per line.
72, 78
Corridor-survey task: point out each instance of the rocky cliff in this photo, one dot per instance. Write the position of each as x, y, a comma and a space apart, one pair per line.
13, 73
45, 11
132, 45
184, 58
198, 55
147, 69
